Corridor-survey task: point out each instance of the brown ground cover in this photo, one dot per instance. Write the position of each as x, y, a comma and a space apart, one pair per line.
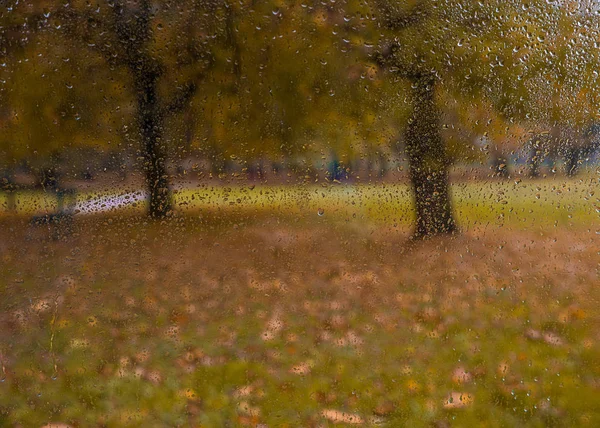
245, 320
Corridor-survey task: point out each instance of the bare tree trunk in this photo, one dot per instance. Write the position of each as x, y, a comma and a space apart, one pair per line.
573, 158
428, 163
151, 129
499, 164
535, 162
134, 34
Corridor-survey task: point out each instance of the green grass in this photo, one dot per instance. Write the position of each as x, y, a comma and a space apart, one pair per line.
558, 201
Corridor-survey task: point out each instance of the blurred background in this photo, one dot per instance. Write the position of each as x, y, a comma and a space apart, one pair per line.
299, 213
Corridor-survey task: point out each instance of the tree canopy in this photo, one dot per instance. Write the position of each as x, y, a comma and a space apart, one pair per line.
277, 80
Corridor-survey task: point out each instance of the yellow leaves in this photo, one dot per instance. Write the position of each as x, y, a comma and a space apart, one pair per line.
273, 326
243, 391
369, 118
150, 303
172, 332
413, 386
188, 393
129, 416
63, 323
356, 306
142, 355
79, 343
503, 368
459, 400
320, 18
337, 416
303, 368
246, 409
572, 313
42, 305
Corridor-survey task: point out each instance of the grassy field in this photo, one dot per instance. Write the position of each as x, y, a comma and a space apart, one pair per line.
248, 307
534, 203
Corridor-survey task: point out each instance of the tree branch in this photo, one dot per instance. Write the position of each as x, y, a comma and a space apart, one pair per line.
387, 58
187, 92
182, 99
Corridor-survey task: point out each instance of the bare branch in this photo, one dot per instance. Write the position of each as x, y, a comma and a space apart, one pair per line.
182, 99
388, 58
187, 92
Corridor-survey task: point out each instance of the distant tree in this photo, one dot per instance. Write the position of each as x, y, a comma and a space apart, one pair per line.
581, 148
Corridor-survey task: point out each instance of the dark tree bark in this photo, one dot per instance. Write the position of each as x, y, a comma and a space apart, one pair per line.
151, 130
428, 163
573, 158
133, 34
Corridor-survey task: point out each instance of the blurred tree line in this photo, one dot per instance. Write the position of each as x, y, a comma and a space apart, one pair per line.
437, 81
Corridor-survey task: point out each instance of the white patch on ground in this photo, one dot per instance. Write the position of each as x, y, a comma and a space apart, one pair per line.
100, 204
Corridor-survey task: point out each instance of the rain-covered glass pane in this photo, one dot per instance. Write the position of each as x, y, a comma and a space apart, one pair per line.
285, 213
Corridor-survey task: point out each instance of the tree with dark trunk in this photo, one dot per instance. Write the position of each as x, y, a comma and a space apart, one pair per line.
428, 162
573, 159
125, 36
425, 148
151, 129
134, 35
452, 46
